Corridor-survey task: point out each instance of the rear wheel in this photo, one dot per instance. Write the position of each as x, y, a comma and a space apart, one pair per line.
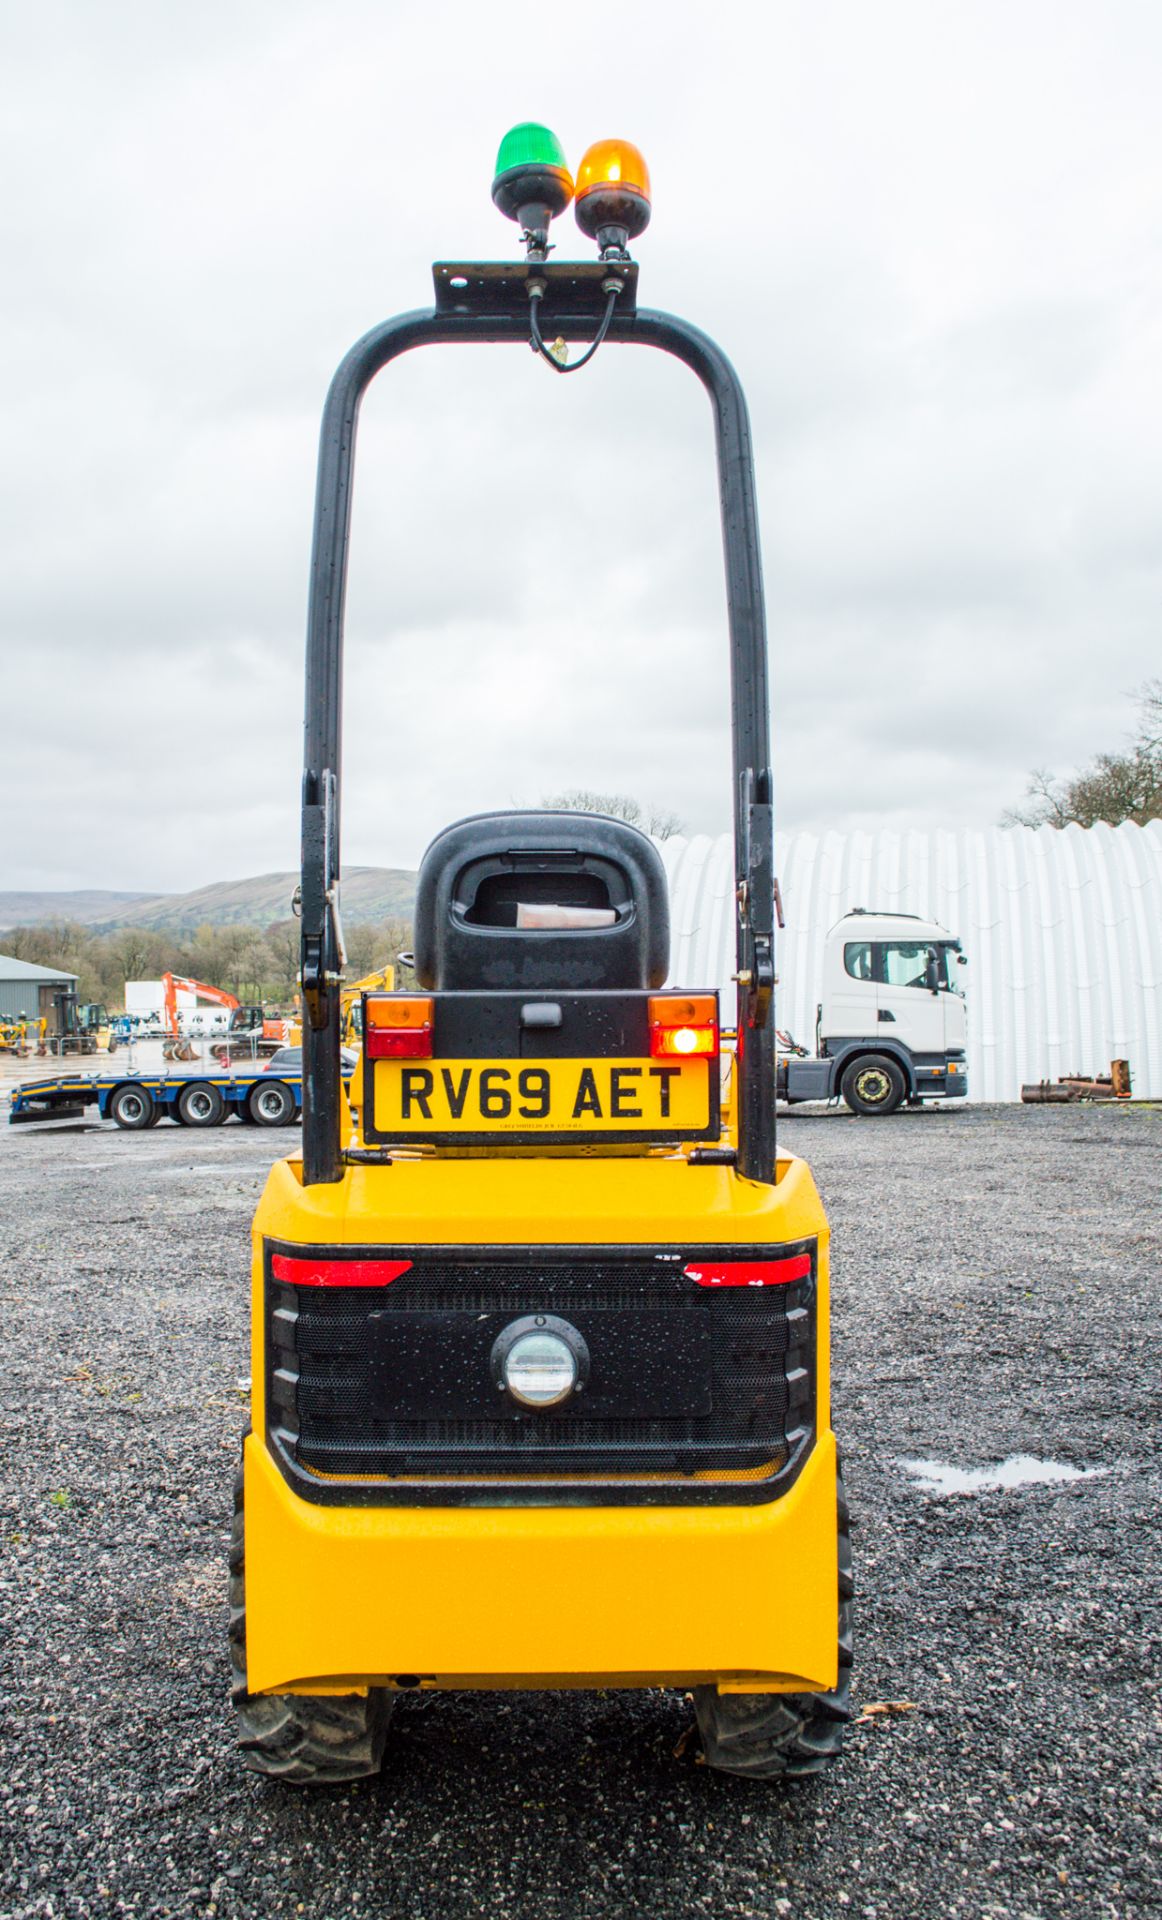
774, 1736
201, 1106
873, 1084
308, 1741
272, 1105
132, 1108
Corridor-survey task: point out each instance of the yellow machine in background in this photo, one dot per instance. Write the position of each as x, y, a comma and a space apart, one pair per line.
13, 1036
541, 1321
351, 1002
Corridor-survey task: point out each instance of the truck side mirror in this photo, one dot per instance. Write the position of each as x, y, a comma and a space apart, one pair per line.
931, 976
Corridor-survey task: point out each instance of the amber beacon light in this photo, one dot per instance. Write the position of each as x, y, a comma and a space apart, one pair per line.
612, 195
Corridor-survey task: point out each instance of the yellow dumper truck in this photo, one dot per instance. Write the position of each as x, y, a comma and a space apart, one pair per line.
540, 1322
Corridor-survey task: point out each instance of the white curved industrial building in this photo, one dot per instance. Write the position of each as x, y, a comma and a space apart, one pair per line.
1062, 928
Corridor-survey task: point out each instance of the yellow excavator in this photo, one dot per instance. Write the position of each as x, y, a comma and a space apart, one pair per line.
14, 1035
351, 1003
540, 1319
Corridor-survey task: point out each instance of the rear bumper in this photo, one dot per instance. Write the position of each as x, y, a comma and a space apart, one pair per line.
535, 1596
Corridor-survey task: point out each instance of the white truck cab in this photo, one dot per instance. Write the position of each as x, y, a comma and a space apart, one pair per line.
891, 1024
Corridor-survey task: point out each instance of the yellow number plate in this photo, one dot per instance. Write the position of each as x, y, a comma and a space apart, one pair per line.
455, 1098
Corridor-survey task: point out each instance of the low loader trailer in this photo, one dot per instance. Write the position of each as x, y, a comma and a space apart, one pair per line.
540, 1314
138, 1101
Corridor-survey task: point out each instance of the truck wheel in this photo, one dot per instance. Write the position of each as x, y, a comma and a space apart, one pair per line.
778, 1736
201, 1106
308, 1741
272, 1105
873, 1084
132, 1108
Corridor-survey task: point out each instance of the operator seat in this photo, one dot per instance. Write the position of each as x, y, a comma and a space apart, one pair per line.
497, 900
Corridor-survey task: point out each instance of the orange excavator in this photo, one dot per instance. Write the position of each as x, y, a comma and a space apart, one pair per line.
176, 1045
248, 1025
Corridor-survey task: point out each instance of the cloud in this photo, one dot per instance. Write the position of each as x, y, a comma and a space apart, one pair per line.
928, 238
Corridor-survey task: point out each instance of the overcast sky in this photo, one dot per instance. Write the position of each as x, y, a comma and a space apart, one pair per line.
928, 234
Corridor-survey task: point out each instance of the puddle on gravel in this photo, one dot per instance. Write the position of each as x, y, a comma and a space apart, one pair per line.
1019, 1470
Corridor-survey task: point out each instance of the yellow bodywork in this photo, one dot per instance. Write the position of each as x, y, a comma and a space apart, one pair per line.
340, 1598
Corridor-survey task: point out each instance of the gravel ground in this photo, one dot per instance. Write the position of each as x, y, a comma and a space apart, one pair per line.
995, 1294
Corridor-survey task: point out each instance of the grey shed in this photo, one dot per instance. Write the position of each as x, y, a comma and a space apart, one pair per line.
28, 988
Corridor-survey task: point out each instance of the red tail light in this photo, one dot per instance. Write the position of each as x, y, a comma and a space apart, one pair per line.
749, 1273
398, 1043
336, 1273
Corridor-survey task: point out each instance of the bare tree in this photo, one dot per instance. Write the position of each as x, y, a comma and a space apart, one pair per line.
138, 953
1150, 718
1045, 803
47, 946
373, 945
656, 821
284, 940
256, 963
1114, 787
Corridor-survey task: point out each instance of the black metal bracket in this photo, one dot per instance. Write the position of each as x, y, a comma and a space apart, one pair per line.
574, 289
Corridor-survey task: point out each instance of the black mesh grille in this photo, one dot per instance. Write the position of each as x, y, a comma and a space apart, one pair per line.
693, 1393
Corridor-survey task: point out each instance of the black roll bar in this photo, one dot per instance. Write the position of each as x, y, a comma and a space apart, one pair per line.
488, 310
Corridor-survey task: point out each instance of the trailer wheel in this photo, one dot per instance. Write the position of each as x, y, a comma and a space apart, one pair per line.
201, 1106
873, 1084
781, 1736
132, 1108
307, 1741
272, 1104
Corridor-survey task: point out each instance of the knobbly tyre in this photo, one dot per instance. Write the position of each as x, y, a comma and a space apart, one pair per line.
540, 1324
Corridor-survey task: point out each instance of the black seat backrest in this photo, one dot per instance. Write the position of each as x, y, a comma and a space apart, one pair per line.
477, 874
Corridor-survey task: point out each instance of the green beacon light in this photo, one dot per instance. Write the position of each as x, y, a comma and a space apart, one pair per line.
532, 183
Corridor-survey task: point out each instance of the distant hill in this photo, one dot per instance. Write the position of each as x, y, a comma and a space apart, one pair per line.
369, 894
92, 907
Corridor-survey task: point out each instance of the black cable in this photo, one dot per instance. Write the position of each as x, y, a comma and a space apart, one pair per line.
535, 296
